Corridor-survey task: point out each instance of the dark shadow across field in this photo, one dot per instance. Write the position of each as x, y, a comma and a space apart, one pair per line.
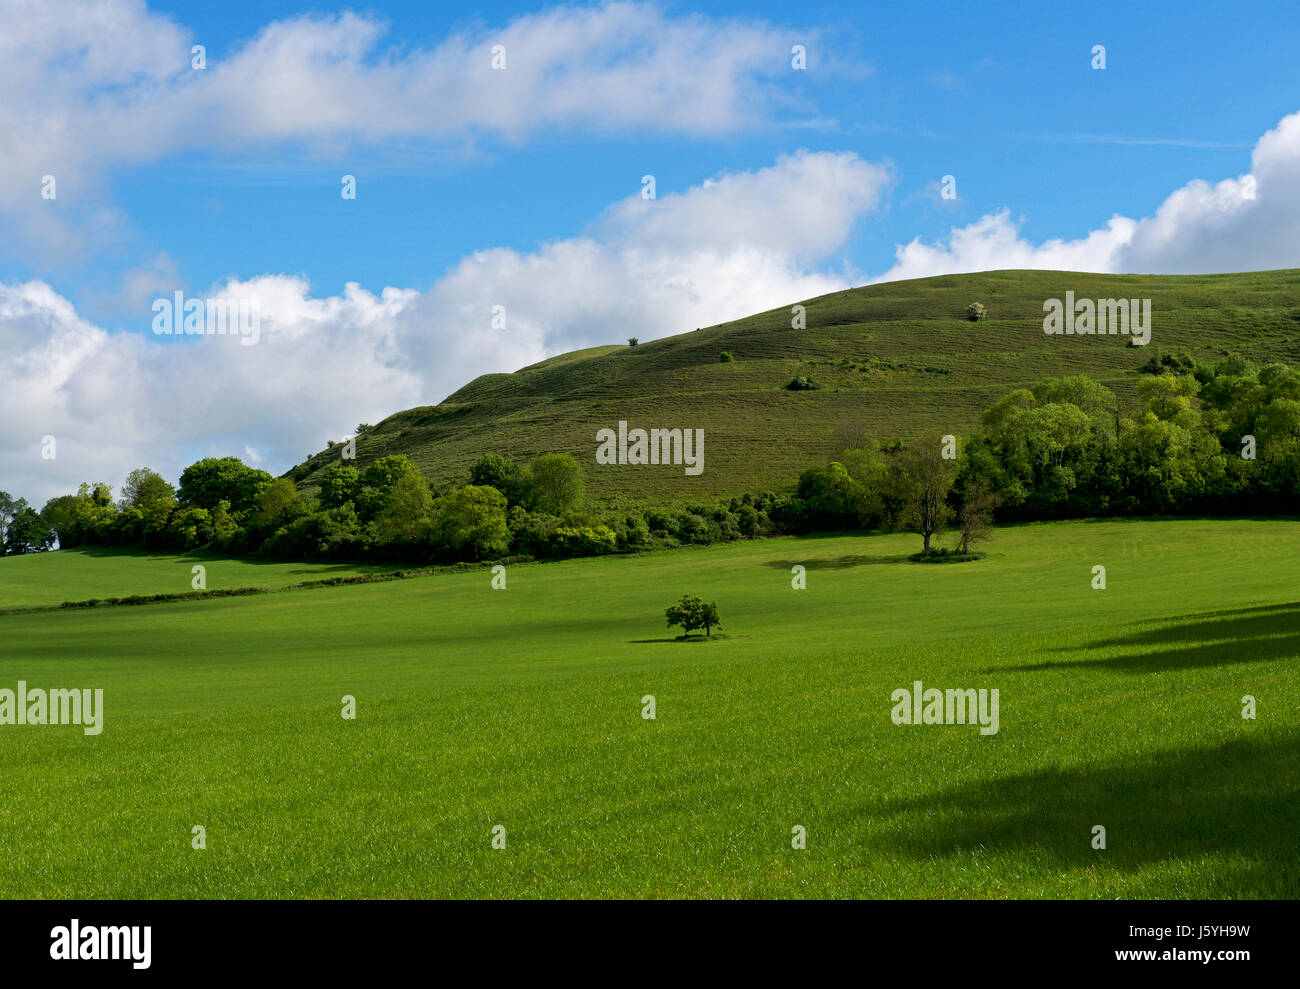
715, 637
1241, 798
322, 569
1218, 638
836, 562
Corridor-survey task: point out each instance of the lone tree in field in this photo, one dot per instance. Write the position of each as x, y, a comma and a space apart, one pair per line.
922, 480
976, 515
975, 312
693, 613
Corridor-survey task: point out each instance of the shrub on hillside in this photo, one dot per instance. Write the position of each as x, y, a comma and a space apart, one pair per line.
636, 533
747, 520
975, 312
532, 533
585, 540
554, 482
495, 471
1162, 363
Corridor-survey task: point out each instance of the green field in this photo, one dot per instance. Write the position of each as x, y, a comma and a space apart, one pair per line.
44, 579
894, 361
522, 708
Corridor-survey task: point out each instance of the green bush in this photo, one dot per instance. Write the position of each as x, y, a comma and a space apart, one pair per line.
584, 540
1162, 363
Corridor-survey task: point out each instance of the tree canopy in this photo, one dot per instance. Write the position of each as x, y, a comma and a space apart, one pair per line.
693, 613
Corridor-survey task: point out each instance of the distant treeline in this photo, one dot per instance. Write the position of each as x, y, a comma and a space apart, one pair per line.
1222, 439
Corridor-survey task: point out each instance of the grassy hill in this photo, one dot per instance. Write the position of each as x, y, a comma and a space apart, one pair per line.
892, 361
522, 708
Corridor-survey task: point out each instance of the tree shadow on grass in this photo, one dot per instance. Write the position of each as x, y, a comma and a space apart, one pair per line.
203, 556
1240, 798
836, 562
1194, 641
715, 637
1262, 609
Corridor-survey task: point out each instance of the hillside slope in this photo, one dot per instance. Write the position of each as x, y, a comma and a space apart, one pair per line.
891, 361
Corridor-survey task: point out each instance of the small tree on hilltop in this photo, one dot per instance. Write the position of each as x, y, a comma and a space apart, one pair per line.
692, 613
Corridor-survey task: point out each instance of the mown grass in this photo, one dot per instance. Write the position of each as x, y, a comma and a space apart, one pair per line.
896, 360
522, 708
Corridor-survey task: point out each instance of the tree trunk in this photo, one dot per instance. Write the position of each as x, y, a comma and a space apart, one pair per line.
926, 536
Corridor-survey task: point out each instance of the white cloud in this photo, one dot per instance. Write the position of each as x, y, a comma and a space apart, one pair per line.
117, 401
994, 242
806, 203
734, 245
616, 66
88, 87
1245, 223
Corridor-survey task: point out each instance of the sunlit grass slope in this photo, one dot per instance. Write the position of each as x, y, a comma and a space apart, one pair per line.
523, 708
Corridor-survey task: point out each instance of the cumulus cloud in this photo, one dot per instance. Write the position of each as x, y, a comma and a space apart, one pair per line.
738, 243
994, 242
87, 87
612, 67
116, 401
1244, 223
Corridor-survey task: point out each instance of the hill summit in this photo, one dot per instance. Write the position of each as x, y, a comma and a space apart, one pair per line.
774, 393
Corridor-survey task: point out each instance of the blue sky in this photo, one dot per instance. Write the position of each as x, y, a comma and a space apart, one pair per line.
772, 184
1002, 99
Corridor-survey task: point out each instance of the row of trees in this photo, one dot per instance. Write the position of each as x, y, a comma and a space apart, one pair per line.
390, 507
1217, 439
1222, 439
